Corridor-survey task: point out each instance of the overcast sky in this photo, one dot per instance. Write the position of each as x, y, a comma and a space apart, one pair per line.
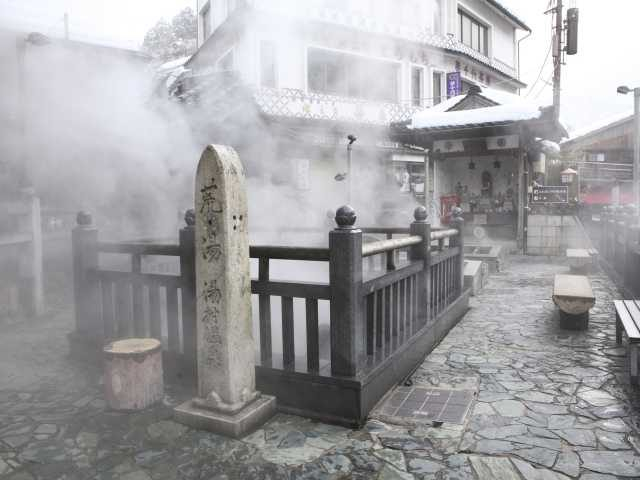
607, 56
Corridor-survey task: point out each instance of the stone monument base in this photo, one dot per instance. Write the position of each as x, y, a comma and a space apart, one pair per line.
232, 425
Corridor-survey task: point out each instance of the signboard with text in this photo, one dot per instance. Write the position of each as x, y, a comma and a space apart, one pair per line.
454, 84
550, 194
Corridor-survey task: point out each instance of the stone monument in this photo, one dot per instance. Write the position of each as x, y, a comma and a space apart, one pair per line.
227, 400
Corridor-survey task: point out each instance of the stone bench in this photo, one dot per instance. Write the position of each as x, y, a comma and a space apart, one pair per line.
475, 272
580, 260
574, 297
628, 319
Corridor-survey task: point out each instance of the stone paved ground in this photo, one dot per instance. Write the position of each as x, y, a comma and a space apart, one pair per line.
551, 405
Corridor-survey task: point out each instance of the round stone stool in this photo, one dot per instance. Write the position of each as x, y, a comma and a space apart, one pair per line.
133, 373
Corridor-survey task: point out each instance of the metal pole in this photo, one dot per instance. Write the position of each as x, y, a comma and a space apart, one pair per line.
23, 169
636, 149
349, 147
557, 57
525, 204
426, 180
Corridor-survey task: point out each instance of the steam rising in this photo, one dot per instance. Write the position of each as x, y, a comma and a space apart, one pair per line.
95, 138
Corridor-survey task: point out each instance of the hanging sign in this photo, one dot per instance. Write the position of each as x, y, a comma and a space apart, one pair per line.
454, 84
550, 194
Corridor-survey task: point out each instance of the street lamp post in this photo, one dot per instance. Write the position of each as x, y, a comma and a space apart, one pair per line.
35, 39
624, 90
348, 174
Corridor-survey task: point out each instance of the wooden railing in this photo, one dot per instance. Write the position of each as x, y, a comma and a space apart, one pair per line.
377, 315
615, 232
287, 291
114, 303
21, 289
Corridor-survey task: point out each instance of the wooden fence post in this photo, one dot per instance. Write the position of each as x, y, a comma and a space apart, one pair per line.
457, 222
188, 274
37, 289
345, 276
422, 251
84, 239
604, 219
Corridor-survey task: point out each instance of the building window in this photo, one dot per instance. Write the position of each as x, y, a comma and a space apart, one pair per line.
437, 87
416, 86
302, 177
268, 64
437, 16
226, 63
473, 33
352, 76
206, 21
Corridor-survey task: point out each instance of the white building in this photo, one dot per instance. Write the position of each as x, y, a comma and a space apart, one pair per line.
330, 67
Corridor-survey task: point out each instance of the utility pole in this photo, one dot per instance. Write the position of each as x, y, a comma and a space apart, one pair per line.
557, 46
636, 149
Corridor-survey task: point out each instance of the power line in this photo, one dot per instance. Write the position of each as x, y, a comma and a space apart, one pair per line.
544, 64
547, 83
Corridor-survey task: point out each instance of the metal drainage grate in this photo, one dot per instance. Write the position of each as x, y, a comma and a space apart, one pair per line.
428, 404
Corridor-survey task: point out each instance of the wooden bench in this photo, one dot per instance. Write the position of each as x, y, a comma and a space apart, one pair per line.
574, 297
580, 260
628, 317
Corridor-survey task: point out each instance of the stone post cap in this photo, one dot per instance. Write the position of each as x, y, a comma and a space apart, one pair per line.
346, 217
84, 219
132, 347
190, 217
420, 214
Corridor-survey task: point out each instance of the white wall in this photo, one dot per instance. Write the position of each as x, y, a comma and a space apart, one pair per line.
292, 42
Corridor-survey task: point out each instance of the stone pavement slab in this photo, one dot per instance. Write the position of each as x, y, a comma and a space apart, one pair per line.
550, 404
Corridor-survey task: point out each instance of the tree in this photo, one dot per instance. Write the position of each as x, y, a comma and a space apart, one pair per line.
166, 41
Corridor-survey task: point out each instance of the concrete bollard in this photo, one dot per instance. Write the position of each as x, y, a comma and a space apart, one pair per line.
133, 373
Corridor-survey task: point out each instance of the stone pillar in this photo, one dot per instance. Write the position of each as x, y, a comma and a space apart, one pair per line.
457, 222
133, 373
227, 400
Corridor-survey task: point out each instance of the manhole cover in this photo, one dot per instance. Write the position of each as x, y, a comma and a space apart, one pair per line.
428, 404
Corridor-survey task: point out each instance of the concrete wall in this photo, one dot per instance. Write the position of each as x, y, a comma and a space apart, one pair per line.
553, 234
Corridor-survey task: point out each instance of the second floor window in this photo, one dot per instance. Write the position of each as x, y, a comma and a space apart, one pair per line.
473, 33
437, 87
268, 64
416, 86
353, 76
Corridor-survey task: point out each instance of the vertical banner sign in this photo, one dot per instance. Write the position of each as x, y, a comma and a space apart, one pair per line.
454, 84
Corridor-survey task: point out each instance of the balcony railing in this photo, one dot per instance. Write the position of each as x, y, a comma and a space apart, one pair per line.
316, 106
